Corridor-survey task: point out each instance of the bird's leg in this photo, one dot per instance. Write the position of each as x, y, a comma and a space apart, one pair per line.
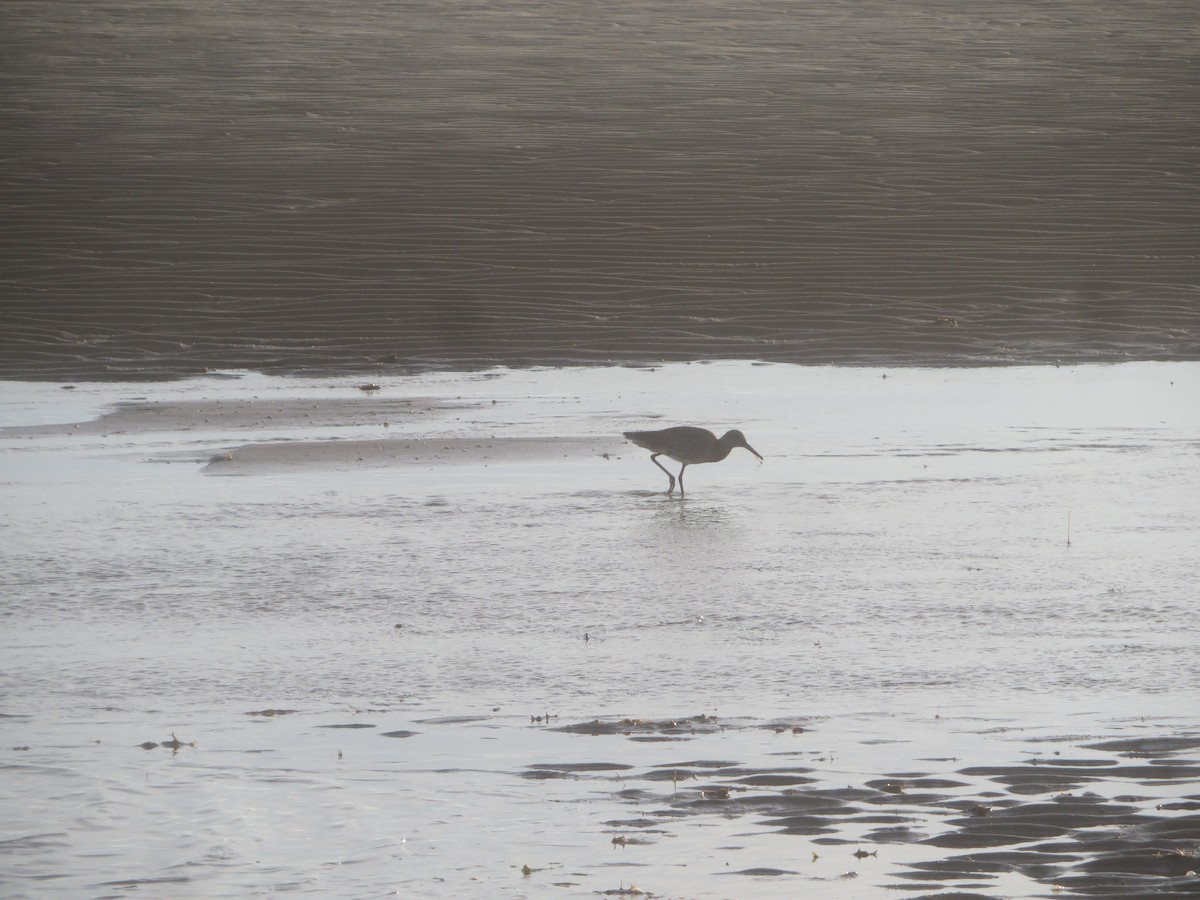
654, 459
681, 468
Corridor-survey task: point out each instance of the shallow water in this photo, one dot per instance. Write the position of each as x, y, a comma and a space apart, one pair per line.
933, 571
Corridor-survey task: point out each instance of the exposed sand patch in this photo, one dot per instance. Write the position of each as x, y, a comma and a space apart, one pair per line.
242, 414
281, 456
286, 417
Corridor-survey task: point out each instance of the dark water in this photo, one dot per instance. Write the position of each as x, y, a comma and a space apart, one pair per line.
307, 185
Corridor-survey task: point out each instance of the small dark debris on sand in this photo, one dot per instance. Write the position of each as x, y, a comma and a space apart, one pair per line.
630, 727
624, 840
1148, 746
546, 771
174, 744
632, 891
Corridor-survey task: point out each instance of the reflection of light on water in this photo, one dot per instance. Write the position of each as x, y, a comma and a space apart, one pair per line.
912, 576
688, 514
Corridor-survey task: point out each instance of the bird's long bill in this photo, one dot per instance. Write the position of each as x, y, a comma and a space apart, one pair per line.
755, 452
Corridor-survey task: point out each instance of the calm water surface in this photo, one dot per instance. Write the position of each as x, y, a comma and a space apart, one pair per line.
929, 564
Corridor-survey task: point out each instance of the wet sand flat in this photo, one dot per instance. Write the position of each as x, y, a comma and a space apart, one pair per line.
383, 187
719, 806
332, 455
292, 423
931, 645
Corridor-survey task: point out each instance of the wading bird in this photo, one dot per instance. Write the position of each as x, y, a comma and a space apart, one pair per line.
688, 445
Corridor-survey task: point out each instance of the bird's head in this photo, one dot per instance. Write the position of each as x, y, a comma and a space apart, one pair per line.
735, 438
